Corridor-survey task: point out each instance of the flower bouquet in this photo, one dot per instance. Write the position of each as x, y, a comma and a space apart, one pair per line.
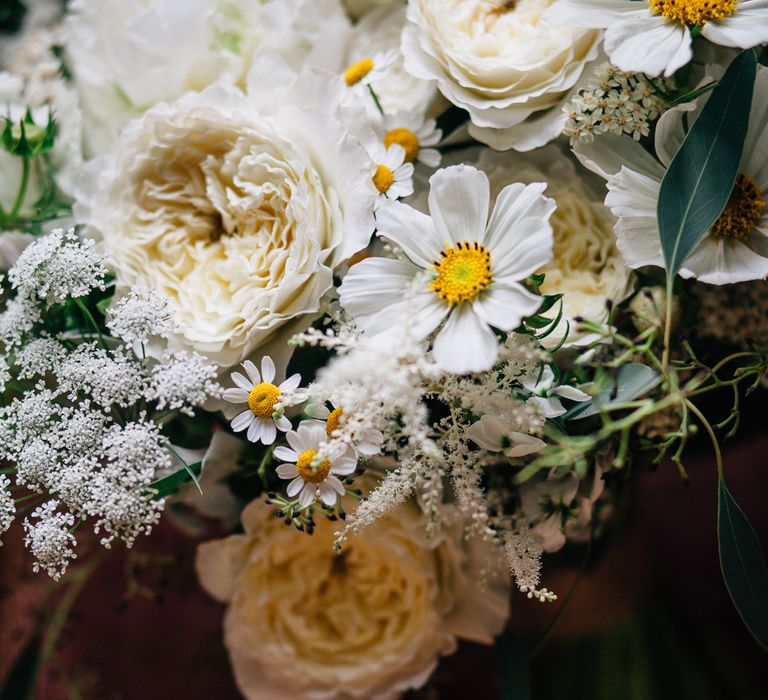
382, 303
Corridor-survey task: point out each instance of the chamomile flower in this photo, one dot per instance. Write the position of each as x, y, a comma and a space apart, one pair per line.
263, 416
393, 176
415, 135
461, 267
654, 36
368, 442
310, 480
368, 69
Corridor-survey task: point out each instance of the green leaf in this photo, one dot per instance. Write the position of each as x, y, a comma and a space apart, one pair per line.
631, 382
512, 668
742, 564
700, 178
170, 484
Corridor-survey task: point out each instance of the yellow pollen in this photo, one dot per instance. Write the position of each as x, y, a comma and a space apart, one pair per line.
743, 211
334, 421
262, 399
314, 475
693, 12
383, 178
463, 271
357, 71
405, 138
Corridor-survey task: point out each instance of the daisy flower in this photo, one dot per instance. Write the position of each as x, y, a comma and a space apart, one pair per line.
263, 416
414, 134
393, 176
461, 267
367, 443
654, 36
735, 248
311, 480
368, 70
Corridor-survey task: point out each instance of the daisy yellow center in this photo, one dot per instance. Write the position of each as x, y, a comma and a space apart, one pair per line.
357, 71
312, 474
406, 139
262, 399
743, 212
463, 271
334, 421
383, 178
693, 11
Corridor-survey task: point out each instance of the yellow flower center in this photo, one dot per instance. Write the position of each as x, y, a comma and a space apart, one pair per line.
314, 475
693, 12
383, 178
262, 399
406, 139
357, 71
462, 273
743, 211
334, 421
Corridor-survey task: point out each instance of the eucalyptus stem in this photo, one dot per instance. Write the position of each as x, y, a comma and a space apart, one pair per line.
710, 431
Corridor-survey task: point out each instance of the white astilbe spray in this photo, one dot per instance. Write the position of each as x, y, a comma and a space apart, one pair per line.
140, 315
7, 506
616, 102
57, 267
523, 553
183, 381
50, 539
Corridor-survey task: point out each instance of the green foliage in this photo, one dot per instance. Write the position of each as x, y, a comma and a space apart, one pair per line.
743, 565
26, 138
700, 178
631, 382
11, 16
170, 484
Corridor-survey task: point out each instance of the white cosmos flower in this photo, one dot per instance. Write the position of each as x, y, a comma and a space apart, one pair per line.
493, 434
461, 267
415, 134
309, 480
393, 177
367, 443
735, 249
498, 60
263, 399
547, 396
654, 36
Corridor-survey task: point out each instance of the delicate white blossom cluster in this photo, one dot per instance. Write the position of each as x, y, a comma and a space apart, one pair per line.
615, 102
523, 553
85, 428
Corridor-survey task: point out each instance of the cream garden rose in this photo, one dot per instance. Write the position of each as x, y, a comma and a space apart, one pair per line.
237, 216
371, 622
498, 60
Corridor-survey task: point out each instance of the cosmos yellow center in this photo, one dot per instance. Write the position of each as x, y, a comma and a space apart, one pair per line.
383, 178
334, 421
314, 475
406, 139
357, 71
463, 271
743, 212
693, 12
262, 399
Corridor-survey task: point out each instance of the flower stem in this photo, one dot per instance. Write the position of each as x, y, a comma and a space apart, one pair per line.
22, 189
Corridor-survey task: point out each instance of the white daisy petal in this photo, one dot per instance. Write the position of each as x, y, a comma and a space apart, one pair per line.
344, 466
514, 203
242, 420
267, 368
291, 383
268, 431
235, 395
413, 231
651, 45
283, 424
254, 430
242, 382
465, 344
286, 453
294, 487
504, 306
307, 495
327, 493
252, 372
336, 485
746, 28
287, 471
458, 203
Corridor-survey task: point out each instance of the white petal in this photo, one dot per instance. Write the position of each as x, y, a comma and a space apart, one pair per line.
327, 493
413, 231
606, 156
344, 466
651, 45
307, 495
746, 28
465, 344
572, 393
525, 250
513, 204
295, 441
252, 372
592, 13
287, 471
267, 368
295, 486
724, 262
312, 433
317, 410
242, 420
268, 431
523, 445
286, 453
242, 382
291, 383
283, 424
458, 203
255, 430
336, 485
236, 395
504, 306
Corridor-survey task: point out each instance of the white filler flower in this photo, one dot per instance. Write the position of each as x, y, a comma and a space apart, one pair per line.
309, 479
472, 267
654, 36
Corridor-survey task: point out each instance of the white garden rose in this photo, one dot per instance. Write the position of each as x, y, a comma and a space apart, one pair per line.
370, 622
501, 62
127, 55
586, 267
236, 215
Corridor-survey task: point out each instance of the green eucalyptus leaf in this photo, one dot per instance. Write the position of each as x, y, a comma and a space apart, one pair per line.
170, 484
743, 565
700, 178
631, 382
